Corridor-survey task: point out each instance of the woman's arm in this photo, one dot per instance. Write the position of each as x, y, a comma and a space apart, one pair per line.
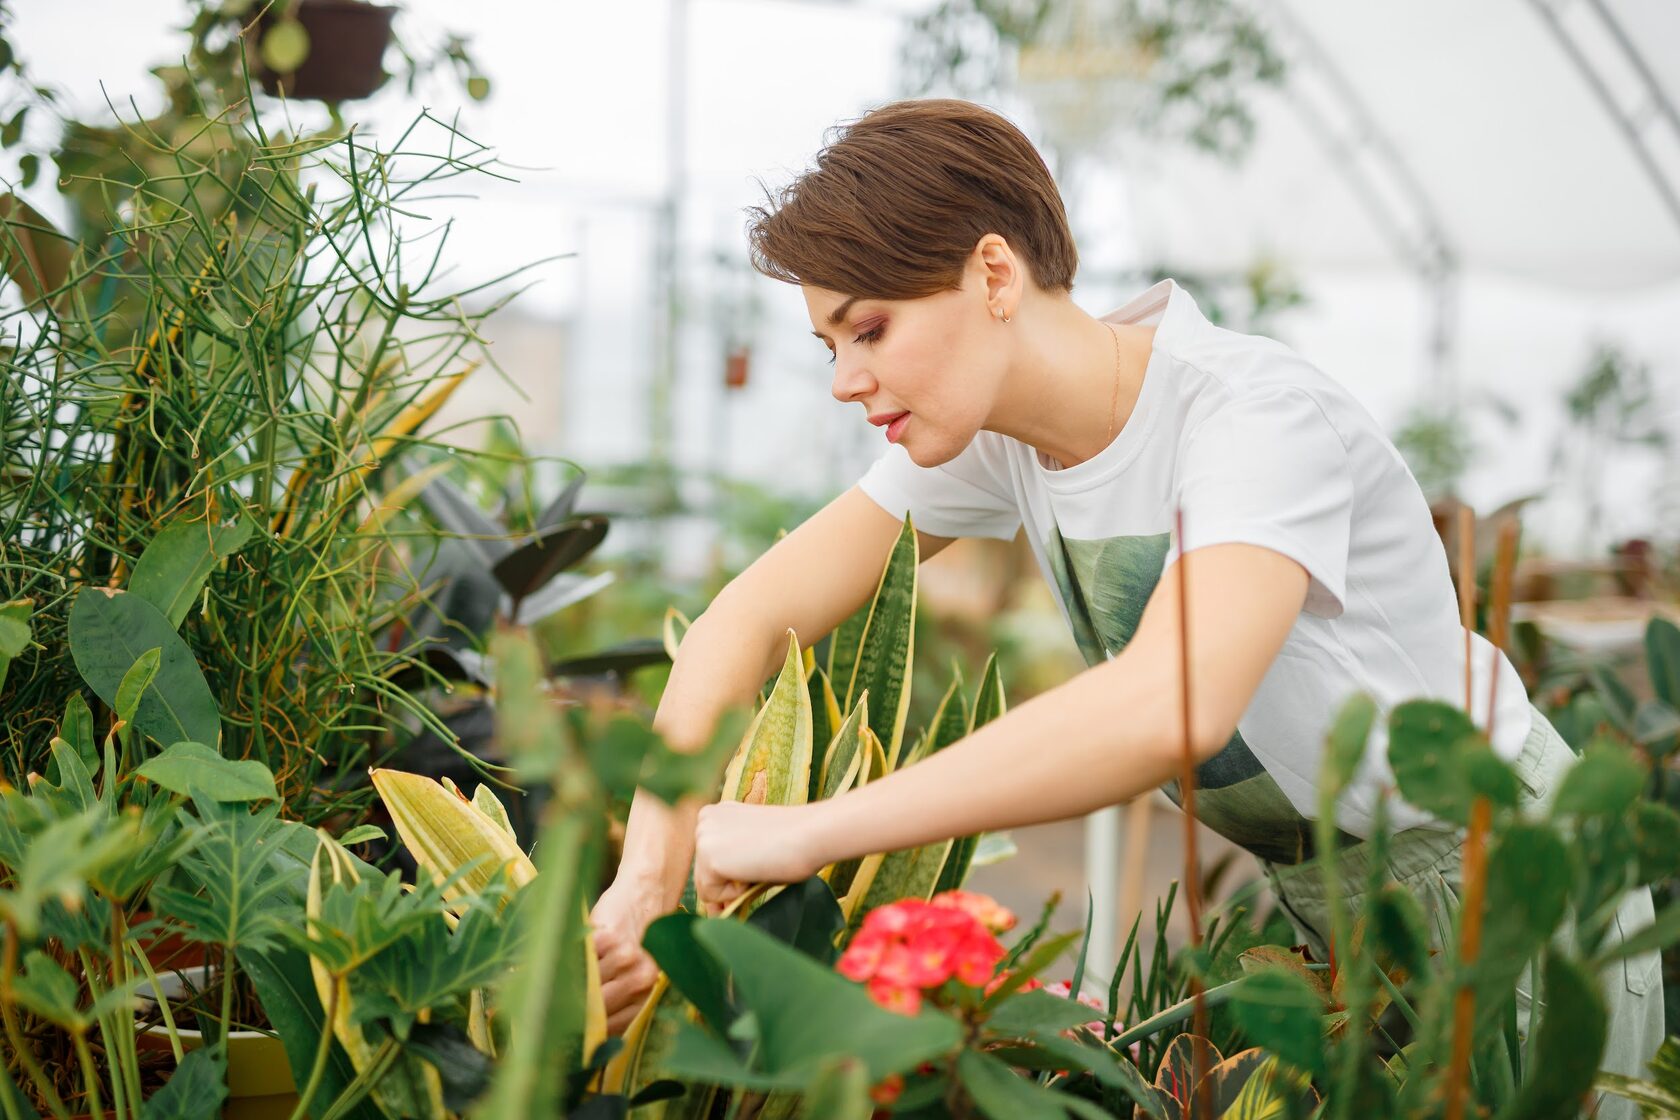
1109, 734
809, 581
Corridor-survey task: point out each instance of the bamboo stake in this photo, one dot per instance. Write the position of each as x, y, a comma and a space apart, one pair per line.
1199, 1104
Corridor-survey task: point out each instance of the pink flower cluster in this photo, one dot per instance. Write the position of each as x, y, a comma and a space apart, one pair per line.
1064, 988
907, 947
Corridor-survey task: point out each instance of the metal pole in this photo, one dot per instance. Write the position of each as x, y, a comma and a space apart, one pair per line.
668, 258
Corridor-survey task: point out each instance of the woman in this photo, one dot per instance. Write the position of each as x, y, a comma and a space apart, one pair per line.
936, 263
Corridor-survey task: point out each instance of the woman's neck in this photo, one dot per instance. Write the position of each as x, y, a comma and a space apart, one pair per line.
1059, 395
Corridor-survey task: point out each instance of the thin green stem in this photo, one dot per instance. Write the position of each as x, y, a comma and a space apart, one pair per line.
108, 1034
163, 1005
365, 1080
90, 1074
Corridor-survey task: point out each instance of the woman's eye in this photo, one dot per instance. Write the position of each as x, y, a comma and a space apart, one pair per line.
872, 335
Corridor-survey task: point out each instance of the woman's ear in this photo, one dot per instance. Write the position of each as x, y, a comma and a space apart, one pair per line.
1000, 275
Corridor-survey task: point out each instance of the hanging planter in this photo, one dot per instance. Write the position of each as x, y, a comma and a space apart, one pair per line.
322, 50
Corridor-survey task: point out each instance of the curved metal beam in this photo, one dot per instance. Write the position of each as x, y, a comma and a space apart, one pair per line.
1636, 124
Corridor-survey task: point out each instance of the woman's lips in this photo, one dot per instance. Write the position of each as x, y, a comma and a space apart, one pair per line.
895, 428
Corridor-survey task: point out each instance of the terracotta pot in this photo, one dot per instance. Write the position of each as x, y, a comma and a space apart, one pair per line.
347, 41
260, 1084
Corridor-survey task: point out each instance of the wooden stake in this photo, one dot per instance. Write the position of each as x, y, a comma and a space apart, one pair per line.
1200, 1106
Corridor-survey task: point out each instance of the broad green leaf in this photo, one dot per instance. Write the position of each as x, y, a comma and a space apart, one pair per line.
139, 677
195, 1090
840, 1091
109, 630
1662, 660
77, 730
172, 570
1441, 762
1567, 1047
1022, 1014
807, 1013
1280, 1011
185, 768
691, 968
843, 751
1529, 874
286, 991
1110, 1069
1001, 1094
1656, 833
1605, 781
887, 646
15, 632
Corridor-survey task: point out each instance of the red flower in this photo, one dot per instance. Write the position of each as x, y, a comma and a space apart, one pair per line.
1032, 984
886, 1093
985, 910
893, 997
1064, 988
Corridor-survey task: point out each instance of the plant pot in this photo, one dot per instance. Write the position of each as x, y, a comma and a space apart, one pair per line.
170, 951
260, 1083
347, 41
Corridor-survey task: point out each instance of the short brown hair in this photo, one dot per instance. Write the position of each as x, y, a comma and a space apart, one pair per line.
897, 202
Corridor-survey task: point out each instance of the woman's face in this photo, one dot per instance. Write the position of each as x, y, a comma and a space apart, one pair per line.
925, 370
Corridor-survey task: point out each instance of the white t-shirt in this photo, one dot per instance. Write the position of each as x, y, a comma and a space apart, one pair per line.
1258, 447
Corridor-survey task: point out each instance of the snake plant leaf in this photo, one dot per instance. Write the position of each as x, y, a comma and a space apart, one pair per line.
109, 630
531, 565
1567, 1046
989, 702
675, 626
843, 653
410, 1089
773, 765
823, 728
175, 565
185, 768
843, 751
15, 632
888, 644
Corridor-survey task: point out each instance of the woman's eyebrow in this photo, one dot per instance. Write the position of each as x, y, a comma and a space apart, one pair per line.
838, 316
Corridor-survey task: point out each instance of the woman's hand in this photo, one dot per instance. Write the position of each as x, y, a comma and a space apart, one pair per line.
619, 920
737, 845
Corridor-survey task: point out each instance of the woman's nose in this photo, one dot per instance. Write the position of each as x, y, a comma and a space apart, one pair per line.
851, 381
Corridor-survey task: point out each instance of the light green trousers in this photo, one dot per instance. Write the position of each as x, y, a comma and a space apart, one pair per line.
1427, 861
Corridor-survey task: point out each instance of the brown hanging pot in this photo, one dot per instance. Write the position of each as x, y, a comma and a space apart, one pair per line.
339, 48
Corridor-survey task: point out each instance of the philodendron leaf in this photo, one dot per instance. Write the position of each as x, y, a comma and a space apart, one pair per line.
139, 677
171, 572
195, 1090
186, 767
109, 630
77, 730
15, 632
1529, 875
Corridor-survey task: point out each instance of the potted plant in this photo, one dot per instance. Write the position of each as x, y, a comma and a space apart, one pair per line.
321, 50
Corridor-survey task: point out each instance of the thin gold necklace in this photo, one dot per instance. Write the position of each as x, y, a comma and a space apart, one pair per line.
1114, 403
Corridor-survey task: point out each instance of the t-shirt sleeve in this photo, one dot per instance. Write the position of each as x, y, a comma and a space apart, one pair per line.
1269, 469
965, 497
